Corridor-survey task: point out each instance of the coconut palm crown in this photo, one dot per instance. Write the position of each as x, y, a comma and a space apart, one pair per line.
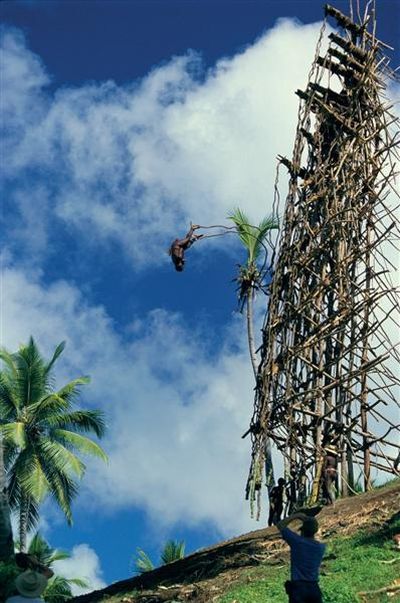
252, 236
173, 550
58, 588
43, 433
250, 276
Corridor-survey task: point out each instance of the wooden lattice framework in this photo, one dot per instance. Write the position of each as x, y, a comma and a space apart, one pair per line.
327, 376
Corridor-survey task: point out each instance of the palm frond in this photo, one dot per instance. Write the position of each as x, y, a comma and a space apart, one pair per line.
45, 553
20, 472
58, 590
26, 479
72, 390
30, 510
58, 555
244, 228
31, 378
87, 421
39, 547
48, 406
80, 443
8, 403
36, 483
32, 515
143, 563
81, 582
14, 433
10, 453
61, 485
53, 454
248, 233
172, 551
63, 489
9, 361
252, 236
58, 351
267, 224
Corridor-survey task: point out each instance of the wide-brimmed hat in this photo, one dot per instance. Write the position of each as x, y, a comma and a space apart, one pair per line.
30, 584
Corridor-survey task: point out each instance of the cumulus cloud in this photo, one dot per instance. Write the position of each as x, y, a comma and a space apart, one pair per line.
175, 411
83, 563
22, 77
129, 164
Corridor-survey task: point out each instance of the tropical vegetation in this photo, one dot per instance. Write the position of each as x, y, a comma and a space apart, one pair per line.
43, 433
251, 279
6, 537
172, 551
251, 275
58, 588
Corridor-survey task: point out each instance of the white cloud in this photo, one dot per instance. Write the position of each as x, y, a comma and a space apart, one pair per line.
132, 164
83, 563
175, 413
22, 77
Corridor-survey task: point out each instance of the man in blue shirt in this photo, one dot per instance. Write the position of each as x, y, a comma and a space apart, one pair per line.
305, 559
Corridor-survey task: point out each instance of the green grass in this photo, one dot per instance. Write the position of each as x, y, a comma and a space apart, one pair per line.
351, 565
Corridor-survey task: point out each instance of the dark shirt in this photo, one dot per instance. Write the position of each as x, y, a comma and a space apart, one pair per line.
276, 496
305, 556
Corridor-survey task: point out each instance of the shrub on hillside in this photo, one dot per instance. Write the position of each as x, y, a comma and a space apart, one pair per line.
8, 573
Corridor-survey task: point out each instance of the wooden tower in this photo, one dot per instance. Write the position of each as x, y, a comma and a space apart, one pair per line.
329, 368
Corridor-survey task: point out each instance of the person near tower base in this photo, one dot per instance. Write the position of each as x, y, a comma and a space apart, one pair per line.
276, 502
306, 555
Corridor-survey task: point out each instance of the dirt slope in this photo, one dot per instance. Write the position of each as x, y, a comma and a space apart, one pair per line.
200, 577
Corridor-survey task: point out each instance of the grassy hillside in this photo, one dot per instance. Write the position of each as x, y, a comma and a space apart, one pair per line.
353, 564
360, 557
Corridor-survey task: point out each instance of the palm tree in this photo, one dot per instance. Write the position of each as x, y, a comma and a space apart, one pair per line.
6, 537
58, 588
250, 276
250, 280
143, 563
42, 432
172, 551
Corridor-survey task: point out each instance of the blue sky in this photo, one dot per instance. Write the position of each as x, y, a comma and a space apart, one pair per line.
123, 121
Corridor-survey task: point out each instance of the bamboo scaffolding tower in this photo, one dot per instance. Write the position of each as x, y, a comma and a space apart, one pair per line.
328, 376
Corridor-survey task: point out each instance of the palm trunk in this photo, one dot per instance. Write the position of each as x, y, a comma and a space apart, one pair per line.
269, 469
23, 524
6, 537
250, 331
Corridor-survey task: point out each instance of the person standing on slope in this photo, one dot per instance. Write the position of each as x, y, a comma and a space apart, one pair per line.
306, 555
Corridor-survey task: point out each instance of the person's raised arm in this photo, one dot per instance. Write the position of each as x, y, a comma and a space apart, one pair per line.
285, 522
